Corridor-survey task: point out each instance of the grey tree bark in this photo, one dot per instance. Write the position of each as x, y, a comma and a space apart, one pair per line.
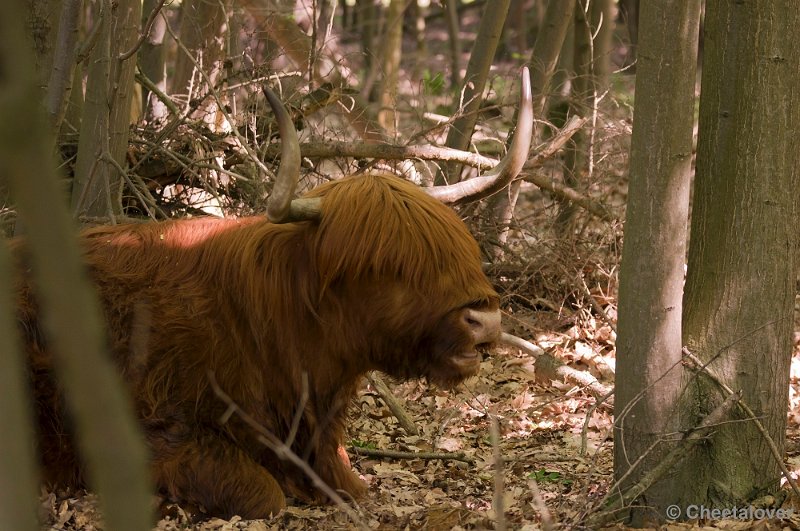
740, 284
649, 373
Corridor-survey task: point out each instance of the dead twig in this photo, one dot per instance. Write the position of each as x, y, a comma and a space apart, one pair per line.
400, 454
393, 403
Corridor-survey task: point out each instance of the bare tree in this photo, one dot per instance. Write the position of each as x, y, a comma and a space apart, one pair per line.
740, 284
649, 376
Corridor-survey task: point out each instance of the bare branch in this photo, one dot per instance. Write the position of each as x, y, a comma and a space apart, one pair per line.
147, 27
399, 454
393, 403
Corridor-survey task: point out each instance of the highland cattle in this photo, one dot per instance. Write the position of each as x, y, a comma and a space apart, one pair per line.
363, 273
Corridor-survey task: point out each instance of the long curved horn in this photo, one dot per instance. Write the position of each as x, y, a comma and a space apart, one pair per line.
501, 175
280, 207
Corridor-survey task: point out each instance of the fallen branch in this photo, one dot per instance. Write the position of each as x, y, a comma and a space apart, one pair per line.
549, 367
400, 454
327, 150
393, 403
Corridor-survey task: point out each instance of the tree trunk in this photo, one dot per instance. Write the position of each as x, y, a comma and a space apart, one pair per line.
602, 19
544, 59
480, 61
576, 155
102, 414
367, 28
18, 475
153, 65
42, 18
740, 285
421, 58
62, 72
649, 372
391, 50
103, 142
453, 29
629, 10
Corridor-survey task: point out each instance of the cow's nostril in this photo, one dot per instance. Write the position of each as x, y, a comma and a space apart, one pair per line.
483, 326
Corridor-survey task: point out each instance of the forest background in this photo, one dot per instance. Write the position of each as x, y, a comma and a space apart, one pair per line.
154, 110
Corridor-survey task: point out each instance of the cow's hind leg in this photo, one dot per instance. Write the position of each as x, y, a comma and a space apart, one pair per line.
219, 477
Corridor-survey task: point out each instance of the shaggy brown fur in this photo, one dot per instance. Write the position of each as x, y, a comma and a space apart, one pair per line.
379, 283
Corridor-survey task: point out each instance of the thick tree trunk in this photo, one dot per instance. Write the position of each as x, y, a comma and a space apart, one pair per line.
740, 285
103, 142
649, 372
